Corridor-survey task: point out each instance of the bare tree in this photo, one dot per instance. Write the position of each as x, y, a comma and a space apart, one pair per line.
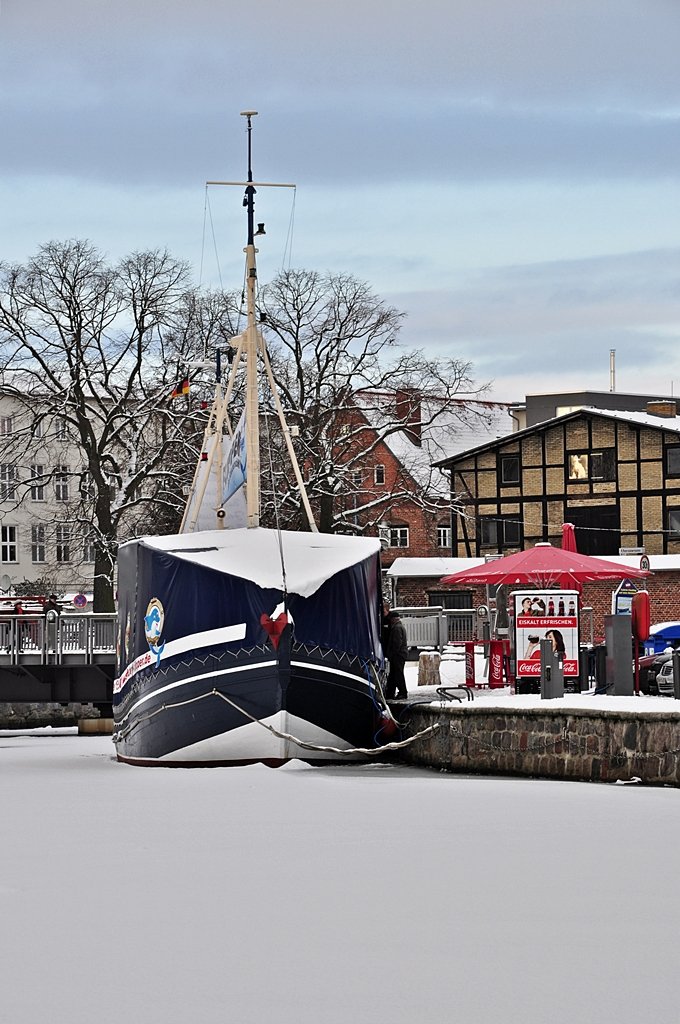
89, 357
90, 354
349, 388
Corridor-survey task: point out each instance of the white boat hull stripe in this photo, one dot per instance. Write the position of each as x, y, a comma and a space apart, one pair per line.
229, 671
190, 642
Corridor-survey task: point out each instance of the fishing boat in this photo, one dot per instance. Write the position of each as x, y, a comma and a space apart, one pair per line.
238, 643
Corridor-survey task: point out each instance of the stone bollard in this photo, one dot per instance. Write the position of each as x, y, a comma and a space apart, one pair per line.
428, 668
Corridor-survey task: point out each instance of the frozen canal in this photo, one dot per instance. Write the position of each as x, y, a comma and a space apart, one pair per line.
327, 895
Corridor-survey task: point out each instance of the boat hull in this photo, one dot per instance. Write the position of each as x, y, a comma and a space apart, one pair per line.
256, 708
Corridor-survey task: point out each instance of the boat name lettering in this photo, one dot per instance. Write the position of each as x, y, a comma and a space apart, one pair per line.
141, 662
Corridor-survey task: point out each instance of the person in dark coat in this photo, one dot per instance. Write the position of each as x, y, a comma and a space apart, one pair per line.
396, 653
52, 605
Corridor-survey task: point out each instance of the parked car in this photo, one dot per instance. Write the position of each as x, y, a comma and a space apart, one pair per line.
664, 679
649, 667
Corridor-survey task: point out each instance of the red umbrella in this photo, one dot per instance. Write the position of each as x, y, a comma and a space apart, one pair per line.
568, 537
545, 566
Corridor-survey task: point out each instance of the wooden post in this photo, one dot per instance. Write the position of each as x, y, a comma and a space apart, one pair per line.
428, 668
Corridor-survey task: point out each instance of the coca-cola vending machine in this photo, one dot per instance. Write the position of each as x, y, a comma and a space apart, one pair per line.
545, 615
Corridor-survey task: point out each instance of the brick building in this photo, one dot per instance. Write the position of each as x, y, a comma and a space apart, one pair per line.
415, 582
393, 488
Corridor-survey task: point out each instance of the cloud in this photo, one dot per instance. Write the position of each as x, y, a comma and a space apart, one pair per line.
505, 171
558, 320
461, 91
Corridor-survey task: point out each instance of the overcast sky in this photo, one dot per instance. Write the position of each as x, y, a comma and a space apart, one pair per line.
505, 171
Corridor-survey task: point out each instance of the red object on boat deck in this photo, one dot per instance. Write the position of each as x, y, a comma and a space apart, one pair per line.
274, 627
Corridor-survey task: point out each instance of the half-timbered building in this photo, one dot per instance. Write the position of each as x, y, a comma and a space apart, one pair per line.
614, 474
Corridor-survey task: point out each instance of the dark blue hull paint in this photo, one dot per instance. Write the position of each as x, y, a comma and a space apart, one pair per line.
160, 713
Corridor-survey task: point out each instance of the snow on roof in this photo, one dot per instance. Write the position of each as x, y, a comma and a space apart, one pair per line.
646, 419
437, 567
661, 627
464, 424
254, 554
671, 424
431, 566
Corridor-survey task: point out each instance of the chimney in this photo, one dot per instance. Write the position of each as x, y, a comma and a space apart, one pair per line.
662, 407
407, 403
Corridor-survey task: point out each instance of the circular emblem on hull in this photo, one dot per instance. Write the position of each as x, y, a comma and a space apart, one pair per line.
153, 621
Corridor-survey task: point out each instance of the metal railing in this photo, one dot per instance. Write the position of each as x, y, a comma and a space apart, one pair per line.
461, 624
434, 626
50, 639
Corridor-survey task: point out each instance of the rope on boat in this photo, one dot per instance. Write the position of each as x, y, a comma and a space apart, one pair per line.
369, 751
317, 746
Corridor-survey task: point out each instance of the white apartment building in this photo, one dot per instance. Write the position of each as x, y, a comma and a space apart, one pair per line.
44, 492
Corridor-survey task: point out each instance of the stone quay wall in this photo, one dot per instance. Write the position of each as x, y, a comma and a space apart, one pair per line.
39, 715
550, 743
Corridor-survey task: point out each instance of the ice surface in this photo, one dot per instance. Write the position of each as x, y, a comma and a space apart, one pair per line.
362, 893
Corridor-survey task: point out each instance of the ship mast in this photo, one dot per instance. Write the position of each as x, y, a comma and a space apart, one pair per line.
250, 345
252, 404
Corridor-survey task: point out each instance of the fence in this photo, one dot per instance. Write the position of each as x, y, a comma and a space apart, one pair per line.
436, 626
46, 639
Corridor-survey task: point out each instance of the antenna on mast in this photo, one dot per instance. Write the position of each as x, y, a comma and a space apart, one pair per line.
249, 198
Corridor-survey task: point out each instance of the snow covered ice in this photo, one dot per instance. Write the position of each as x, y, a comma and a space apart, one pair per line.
339, 894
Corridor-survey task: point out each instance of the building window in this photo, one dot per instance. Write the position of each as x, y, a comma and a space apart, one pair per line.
592, 465
37, 429
444, 536
37, 482
86, 486
450, 598
6, 425
673, 461
37, 543
357, 478
89, 548
8, 544
674, 522
500, 532
63, 543
8, 481
509, 469
61, 429
398, 536
379, 474
61, 483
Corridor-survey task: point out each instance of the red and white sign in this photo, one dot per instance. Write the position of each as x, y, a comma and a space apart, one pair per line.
546, 615
469, 663
495, 664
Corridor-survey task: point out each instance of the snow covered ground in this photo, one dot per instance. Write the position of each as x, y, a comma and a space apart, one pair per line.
452, 673
329, 895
